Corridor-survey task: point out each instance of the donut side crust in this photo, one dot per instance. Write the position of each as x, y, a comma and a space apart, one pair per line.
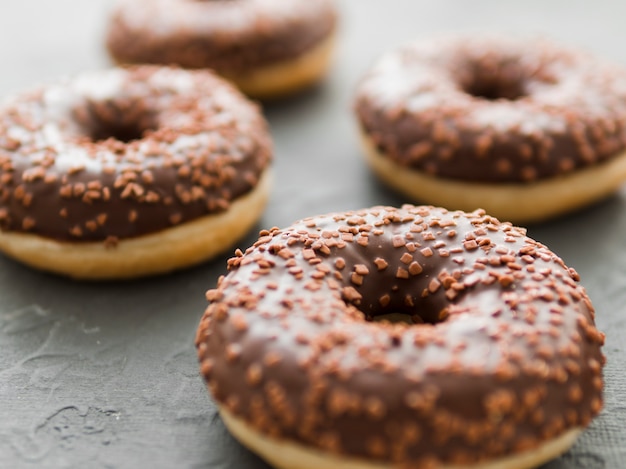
292, 455
514, 202
157, 253
288, 77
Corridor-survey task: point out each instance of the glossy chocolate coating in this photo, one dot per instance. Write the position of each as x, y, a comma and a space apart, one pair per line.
126, 152
229, 36
503, 355
493, 109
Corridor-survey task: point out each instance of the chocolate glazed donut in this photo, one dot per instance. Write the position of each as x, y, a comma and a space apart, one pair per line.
497, 360
267, 47
127, 172
523, 129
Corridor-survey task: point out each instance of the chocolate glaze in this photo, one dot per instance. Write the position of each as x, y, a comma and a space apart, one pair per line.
229, 36
505, 356
493, 109
194, 145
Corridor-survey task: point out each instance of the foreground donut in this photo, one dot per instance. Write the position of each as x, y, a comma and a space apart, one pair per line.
524, 129
268, 48
500, 369
123, 173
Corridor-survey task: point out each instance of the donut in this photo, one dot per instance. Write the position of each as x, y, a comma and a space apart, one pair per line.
268, 48
122, 173
410, 337
525, 129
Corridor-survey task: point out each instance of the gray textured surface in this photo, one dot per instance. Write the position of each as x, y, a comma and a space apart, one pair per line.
105, 376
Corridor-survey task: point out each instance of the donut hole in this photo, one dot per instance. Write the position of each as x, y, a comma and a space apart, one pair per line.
410, 319
398, 318
122, 132
121, 121
494, 82
495, 90
397, 313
